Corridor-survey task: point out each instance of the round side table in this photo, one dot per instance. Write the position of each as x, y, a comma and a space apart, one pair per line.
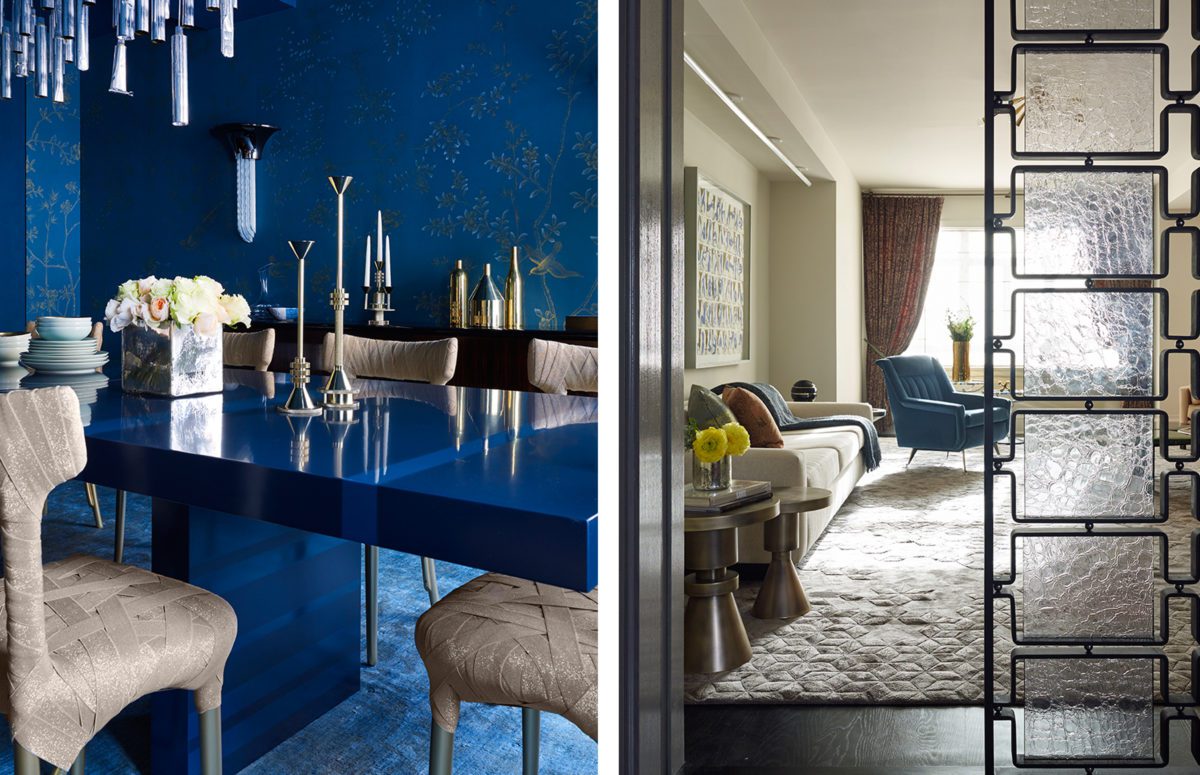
781, 595
714, 638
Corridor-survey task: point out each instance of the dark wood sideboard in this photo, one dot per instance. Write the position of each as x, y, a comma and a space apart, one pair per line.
486, 358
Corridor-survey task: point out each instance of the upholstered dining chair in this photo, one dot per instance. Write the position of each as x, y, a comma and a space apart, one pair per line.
556, 367
501, 640
240, 350
89, 489
249, 350
928, 414
433, 362
83, 637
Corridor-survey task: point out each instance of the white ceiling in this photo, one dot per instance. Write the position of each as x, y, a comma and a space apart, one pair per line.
897, 85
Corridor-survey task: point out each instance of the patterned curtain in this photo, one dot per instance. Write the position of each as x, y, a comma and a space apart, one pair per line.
1129, 403
899, 241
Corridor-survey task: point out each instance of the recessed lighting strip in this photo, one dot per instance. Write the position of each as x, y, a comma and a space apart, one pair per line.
761, 135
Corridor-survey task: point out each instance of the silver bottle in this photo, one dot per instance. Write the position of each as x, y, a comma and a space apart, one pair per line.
487, 305
514, 294
458, 296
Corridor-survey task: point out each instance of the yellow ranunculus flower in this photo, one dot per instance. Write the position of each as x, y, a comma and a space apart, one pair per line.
738, 438
710, 445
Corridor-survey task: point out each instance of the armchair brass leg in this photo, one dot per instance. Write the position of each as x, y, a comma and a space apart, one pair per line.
94, 502
441, 751
429, 578
910, 458
210, 742
119, 529
371, 569
531, 739
24, 763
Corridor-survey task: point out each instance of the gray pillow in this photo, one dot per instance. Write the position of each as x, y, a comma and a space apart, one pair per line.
707, 408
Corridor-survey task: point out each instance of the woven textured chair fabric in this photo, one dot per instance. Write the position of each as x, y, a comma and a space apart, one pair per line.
433, 362
557, 367
507, 641
85, 637
249, 350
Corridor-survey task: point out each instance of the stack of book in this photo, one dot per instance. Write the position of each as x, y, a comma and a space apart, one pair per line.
740, 492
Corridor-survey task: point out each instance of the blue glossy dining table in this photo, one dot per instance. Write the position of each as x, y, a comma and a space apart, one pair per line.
271, 512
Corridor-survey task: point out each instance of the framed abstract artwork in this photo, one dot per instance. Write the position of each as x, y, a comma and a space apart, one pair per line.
717, 249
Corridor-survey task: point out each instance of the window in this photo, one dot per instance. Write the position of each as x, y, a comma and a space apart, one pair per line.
957, 284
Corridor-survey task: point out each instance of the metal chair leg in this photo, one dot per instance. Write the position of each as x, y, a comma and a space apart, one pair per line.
441, 751
119, 529
80, 765
964, 454
210, 742
531, 739
910, 458
24, 762
94, 501
371, 568
429, 578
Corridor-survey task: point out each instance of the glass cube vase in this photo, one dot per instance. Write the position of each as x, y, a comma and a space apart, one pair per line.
712, 477
170, 362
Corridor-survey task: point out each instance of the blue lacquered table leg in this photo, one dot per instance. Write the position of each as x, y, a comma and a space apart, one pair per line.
298, 600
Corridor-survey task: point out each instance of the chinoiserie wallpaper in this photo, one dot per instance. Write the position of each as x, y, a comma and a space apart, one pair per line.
470, 123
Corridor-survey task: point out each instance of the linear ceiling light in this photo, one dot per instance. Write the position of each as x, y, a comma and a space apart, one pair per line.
729, 103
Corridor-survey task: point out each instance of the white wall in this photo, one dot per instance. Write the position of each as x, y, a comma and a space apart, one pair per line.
718, 161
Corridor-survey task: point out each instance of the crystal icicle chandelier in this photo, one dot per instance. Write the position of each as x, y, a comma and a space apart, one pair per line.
38, 38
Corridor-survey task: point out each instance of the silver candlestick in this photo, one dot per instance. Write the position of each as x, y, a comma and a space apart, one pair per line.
381, 298
339, 392
300, 402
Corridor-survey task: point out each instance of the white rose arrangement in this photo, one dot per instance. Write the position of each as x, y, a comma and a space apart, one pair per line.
199, 302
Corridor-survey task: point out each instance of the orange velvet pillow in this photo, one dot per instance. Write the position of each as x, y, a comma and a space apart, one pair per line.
752, 413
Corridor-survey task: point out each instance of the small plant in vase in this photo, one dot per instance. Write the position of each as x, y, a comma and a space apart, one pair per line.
962, 328
713, 450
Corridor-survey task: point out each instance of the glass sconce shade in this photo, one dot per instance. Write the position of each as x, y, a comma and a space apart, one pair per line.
247, 142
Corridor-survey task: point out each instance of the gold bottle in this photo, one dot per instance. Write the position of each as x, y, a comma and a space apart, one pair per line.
458, 296
486, 305
514, 294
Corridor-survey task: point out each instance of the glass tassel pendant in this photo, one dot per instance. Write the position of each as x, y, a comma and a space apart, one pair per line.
69, 7
212, 5
125, 18
187, 13
120, 71
83, 54
6, 63
142, 17
27, 18
158, 21
42, 42
247, 191
58, 72
180, 109
227, 29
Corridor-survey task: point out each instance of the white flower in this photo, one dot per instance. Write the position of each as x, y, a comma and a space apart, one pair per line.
124, 314
158, 311
234, 310
187, 301
207, 324
161, 289
146, 287
210, 286
128, 290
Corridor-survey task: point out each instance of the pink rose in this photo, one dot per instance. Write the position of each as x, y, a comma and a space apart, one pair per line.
159, 311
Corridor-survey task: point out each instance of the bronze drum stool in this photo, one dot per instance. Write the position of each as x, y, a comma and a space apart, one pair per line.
714, 637
781, 595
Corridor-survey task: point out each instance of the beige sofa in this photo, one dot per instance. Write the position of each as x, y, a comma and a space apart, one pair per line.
830, 458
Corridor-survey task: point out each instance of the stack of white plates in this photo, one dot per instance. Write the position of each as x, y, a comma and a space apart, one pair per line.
55, 354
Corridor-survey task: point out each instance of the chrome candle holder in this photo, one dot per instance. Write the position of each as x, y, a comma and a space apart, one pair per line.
377, 274
338, 391
381, 300
300, 402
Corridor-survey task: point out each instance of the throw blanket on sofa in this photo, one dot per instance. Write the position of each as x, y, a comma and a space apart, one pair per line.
787, 421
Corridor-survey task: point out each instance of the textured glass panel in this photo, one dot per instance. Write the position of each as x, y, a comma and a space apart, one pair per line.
1078, 465
1098, 588
1089, 223
1089, 102
1089, 344
1090, 15
1089, 709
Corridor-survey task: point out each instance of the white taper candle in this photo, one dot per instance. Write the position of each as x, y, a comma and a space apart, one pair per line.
387, 262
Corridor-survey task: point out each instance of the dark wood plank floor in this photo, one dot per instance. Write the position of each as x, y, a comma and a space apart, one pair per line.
858, 740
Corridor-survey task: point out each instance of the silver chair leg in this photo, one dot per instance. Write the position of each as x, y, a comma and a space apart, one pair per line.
94, 501
441, 751
429, 578
80, 765
964, 454
910, 458
371, 568
531, 739
119, 529
46, 508
210, 742
24, 762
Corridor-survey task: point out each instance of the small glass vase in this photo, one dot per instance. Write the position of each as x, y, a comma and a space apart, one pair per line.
711, 477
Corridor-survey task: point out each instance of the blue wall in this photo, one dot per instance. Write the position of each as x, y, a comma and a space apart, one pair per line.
470, 123
39, 176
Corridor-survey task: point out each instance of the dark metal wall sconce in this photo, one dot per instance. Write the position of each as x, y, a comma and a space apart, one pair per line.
247, 142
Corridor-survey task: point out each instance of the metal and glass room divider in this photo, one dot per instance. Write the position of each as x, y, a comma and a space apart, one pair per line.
1091, 554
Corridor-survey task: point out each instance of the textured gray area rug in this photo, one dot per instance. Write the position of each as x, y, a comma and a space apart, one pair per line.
896, 586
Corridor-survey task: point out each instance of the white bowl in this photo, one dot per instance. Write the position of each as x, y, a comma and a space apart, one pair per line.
64, 329
11, 347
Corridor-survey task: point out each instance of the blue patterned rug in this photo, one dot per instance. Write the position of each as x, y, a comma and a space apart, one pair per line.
384, 728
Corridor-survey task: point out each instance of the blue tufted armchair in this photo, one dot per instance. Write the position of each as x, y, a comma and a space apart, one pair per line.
928, 414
